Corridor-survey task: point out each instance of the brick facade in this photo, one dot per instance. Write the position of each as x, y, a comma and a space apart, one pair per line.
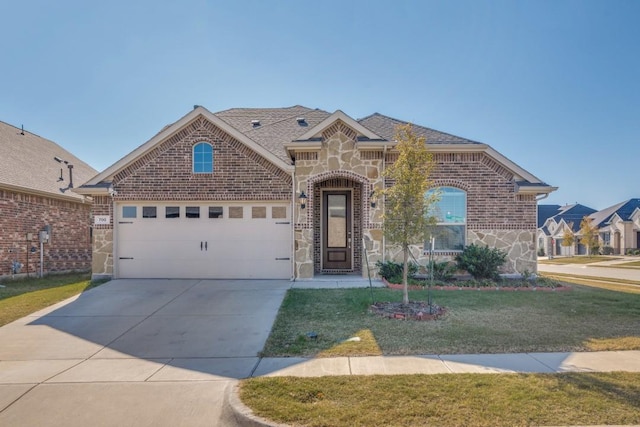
69, 247
165, 174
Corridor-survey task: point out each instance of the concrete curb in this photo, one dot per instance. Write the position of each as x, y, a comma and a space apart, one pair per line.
237, 414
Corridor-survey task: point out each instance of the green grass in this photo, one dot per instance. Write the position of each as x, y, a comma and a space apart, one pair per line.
475, 322
22, 297
609, 283
447, 400
579, 259
629, 264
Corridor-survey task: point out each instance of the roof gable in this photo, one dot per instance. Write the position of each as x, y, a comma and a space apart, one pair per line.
316, 131
27, 163
170, 130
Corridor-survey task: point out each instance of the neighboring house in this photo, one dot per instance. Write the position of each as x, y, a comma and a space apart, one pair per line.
553, 220
619, 226
287, 193
35, 195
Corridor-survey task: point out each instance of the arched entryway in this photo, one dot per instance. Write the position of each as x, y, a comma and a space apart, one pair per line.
337, 226
339, 204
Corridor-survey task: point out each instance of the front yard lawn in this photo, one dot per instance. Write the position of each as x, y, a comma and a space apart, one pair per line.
581, 319
448, 400
21, 297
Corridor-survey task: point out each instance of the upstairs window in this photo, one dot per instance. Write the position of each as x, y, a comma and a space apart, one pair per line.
451, 214
202, 158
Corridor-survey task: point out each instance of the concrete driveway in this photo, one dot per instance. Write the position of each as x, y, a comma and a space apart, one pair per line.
135, 353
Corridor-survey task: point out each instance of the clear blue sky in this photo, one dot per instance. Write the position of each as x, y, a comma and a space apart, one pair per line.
552, 85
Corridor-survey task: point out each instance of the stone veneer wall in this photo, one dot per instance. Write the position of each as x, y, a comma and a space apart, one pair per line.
102, 263
70, 245
165, 173
338, 163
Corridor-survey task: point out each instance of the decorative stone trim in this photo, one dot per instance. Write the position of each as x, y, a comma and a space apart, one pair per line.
307, 155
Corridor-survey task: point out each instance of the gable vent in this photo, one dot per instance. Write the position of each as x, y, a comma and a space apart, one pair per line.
255, 123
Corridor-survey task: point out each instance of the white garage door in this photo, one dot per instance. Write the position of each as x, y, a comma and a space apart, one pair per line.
195, 240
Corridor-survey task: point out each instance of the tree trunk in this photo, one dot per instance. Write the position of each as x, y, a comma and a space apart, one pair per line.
405, 275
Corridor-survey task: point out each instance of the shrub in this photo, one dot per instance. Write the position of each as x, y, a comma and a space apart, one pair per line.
607, 250
541, 252
481, 262
392, 271
442, 271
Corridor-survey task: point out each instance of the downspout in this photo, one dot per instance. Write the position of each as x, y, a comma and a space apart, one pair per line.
114, 237
384, 165
293, 224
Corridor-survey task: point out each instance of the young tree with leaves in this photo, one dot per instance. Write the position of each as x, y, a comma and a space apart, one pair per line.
589, 234
406, 219
568, 238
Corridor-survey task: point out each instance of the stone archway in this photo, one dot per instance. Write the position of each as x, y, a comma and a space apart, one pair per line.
359, 189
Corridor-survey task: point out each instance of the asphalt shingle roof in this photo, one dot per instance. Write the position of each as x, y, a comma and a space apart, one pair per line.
27, 162
571, 214
385, 127
277, 125
623, 209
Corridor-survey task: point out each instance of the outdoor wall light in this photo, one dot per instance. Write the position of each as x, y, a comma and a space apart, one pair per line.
373, 198
302, 198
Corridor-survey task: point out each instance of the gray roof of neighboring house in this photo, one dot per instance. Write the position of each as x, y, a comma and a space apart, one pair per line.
571, 214
27, 163
545, 212
622, 209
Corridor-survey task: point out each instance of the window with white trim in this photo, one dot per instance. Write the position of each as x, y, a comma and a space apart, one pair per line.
451, 216
202, 158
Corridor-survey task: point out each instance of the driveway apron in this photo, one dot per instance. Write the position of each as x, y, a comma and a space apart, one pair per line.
135, 353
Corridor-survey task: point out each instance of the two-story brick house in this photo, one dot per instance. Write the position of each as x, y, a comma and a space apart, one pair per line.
286, 193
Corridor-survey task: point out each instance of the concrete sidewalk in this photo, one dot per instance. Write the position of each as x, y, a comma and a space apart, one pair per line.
235, 413
601, 361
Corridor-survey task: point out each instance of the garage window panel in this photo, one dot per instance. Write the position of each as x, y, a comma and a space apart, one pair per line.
192, 212
258, 212
129, 212
278, 212
172, 212
215, 212
236, 212
149, 212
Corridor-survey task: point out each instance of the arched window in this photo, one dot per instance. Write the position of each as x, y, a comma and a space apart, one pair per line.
202, 158
450, 212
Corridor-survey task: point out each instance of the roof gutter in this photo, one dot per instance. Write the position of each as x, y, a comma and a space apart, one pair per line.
41, 193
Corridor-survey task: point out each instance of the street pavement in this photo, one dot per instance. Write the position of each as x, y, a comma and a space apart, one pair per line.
604, 269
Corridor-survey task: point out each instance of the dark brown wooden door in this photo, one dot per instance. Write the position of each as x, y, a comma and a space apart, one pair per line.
336, 226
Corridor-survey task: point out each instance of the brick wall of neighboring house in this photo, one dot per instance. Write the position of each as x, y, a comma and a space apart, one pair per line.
70, 244
238, 172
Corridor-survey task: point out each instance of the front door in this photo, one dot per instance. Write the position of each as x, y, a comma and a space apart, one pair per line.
336, 226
